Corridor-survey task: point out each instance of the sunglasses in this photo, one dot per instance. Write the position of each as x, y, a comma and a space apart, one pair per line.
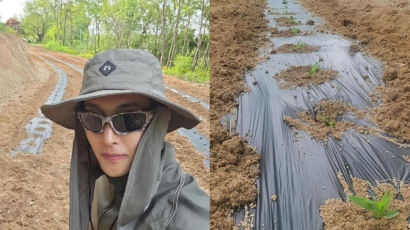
121, 123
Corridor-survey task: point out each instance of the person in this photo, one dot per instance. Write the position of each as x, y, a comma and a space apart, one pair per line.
123, 174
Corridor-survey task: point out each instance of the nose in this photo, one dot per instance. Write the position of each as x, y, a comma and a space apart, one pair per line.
109, 136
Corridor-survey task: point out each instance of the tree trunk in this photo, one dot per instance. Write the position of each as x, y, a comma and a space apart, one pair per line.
199, 44
163, 32
174, 37
185, 45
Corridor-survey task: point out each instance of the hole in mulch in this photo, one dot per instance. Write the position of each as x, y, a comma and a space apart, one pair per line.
287, 33
285, 21
325, 121
338, 214
296, 48
301, 76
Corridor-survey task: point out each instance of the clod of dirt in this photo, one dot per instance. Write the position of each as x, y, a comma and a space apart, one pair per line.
292, 48
354, 48
286, 33
346, 22
326, 120
298, 76
310, 22
337, 214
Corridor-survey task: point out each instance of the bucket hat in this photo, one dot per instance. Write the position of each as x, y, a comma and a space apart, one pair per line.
115, 72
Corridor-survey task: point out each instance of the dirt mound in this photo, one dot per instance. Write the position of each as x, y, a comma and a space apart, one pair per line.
18, 69
383, 30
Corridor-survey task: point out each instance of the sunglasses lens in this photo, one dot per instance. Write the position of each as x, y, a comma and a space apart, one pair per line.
91, 122
128, 122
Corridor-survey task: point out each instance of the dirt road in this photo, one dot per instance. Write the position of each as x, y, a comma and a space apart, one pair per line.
35, 187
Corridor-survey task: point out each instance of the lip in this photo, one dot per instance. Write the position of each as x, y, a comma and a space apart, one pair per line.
114, 157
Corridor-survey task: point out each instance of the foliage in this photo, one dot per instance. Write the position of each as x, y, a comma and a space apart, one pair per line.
314, 68
88, 27
329, 123
379, 208
292, 21
182, 69
4, 28
295, 30
300, 45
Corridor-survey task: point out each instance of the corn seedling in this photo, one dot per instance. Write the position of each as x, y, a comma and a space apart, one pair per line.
314, 68
292, 21
329, 123
379, 208
295, 30
300, 45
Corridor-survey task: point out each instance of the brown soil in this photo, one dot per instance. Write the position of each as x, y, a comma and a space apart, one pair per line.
237, 31
298, 76
383, 29
35, 188
274, 32
326, 121
346, 215
285, 21
292, 48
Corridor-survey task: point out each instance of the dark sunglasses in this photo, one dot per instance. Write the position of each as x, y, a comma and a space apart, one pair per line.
121, 123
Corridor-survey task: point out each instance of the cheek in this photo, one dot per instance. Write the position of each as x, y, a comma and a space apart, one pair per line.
92, 139
131, 141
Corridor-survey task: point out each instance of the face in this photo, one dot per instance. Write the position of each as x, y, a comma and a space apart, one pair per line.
115, 152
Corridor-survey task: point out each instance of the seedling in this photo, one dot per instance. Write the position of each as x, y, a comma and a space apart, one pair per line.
284, 2
300, 45
329, 123
295, 30
292, 21
379, 208
314, 68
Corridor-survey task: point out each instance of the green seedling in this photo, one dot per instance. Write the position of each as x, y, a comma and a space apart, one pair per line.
300, 45
329, 123
314, 68
292, 21
294, 30
379, 208
284, 2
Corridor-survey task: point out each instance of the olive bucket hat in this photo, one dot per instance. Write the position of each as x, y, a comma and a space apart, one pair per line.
115, 72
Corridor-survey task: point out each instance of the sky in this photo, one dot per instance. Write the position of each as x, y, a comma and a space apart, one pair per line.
11, 8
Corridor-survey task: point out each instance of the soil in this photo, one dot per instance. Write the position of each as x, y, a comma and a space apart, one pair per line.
326, 121
285, 21
298, 76
35, 187
238, 30
383, 30
292, 48
275, 32
338, 214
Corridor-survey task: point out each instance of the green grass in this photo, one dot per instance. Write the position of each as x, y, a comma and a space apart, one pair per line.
55, 46
182, 70
314, 68
379, 208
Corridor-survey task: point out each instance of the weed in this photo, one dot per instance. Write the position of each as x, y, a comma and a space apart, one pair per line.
295, 30
379, 208
314, 68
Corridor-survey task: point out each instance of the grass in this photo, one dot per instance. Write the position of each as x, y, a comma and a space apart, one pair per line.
379, 208
314, 68
182, 69
294, 30
56, 46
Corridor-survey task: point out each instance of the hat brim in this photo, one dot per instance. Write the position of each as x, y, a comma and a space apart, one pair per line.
64, 112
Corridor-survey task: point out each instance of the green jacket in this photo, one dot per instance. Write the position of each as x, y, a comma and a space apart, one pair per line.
156, 193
